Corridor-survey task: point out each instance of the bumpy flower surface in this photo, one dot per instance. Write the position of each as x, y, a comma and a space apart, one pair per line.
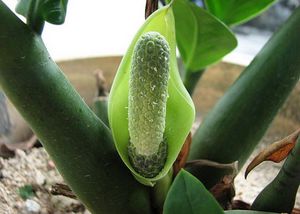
148, 93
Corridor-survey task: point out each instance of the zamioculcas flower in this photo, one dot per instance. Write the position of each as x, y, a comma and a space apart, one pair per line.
148, 137
147, 103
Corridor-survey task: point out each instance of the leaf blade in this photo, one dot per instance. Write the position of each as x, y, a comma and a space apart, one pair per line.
195, 198
200, 46
237, 11
275, 152
52, 11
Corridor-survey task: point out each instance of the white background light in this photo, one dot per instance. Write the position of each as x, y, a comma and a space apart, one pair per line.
93, 28
106, 28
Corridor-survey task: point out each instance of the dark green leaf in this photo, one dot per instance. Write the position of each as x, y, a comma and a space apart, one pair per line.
241, 117
52, 11
236, 11
188, 195
246, 212
22, 7
202, 39
77, 141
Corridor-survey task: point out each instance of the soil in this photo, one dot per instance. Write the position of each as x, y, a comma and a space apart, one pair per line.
36, 169
33, 167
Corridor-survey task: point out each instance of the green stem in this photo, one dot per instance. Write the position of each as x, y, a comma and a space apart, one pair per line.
280, 194
191, 79
160, 191
100, 103
241, 117
100, 109
78, 142
34, 18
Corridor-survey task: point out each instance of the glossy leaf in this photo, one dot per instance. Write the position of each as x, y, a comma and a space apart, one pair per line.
80, 145
180, 108
202, 39
55, 11
237, 11
188, 195
52, 11
240, 118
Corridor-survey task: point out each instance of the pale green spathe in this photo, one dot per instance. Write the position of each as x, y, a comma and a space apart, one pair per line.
180, 110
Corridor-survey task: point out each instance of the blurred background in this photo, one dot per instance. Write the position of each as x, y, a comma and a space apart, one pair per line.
91, 29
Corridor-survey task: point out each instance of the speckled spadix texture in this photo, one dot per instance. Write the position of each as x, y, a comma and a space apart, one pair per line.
148, 93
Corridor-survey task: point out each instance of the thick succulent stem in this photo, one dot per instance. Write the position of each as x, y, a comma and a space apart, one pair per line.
148, 93
236, 124
34, 17
78, 142
191, 79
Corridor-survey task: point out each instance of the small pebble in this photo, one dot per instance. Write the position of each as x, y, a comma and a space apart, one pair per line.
32, 206
21, 154
39, 178
50, 165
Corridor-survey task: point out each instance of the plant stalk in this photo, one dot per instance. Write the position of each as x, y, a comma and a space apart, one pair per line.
239, 120
78, 142
280, 194
191, 79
